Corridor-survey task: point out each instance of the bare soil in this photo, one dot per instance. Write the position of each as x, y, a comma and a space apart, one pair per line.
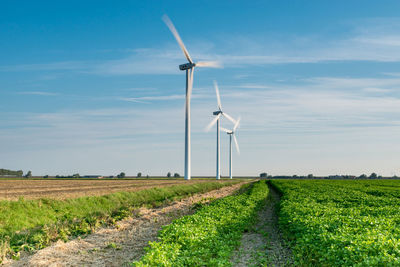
120, 245
264, 244
63, 189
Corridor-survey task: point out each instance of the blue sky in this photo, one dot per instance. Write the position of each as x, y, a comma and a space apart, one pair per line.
93, 87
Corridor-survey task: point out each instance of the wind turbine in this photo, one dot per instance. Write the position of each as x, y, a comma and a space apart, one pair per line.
232, 133
189, 68
218, 115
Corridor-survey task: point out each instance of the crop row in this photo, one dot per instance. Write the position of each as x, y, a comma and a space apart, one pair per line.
341, 223
208, 237
34, 224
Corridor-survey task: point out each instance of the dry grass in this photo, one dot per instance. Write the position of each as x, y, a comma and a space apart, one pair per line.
63, 189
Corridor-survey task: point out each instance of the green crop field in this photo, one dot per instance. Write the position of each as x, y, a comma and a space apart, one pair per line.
321, 223
341, 223
208, 237
34, 224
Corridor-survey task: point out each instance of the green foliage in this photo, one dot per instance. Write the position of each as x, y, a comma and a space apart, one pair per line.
373, 176
34, 224
121, 175
11, 173
341, 223
208, 237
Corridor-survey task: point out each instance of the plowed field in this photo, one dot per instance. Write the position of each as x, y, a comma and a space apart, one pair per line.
62, 189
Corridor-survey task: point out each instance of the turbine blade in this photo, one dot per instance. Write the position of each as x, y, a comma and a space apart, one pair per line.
212, 122
236, 124
236, 144
225, 130
218, 96
229, 117
210, 64
172, 28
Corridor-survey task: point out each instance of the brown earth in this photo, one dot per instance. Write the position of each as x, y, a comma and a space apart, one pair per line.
62, 189
264, 244
121, 245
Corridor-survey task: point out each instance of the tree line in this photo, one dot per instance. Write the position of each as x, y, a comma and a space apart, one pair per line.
4, 172
310, 176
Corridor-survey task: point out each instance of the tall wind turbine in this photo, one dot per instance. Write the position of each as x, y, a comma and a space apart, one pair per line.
232, 133
189, 68
218, 115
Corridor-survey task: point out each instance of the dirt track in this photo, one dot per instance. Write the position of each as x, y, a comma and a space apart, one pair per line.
264, 244
118, 246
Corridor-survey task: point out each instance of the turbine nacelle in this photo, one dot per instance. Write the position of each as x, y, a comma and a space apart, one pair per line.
186, 66
189, 67
217, 112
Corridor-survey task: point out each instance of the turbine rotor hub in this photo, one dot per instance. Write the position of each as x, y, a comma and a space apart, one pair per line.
187, 66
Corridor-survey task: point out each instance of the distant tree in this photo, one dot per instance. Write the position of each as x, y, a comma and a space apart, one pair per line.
295, 176
76, 175
168, 174
373, 176
46, 176
363, 176
121, 175
147, 176
11, 173
310, 176
139, 174
176, 175
263, 175
395, 177
29, 174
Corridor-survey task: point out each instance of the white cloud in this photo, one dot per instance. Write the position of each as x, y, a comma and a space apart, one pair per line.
37, 93
143, 99
286, 123
366, 43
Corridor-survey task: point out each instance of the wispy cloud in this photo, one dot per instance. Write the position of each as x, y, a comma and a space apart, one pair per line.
144, 99
37, 93
330, 114
64, 65
367, 42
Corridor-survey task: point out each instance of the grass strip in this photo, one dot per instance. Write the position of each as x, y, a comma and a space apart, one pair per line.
34, 224
208, 237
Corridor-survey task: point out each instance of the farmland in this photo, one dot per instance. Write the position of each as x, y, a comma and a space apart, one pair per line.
63, 189
34, 224
208, 237
318, 223
341, 223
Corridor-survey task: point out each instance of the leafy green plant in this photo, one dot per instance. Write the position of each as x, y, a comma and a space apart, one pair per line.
341, 223
34, 224
208, 237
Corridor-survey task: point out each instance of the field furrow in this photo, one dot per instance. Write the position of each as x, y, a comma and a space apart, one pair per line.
122, 243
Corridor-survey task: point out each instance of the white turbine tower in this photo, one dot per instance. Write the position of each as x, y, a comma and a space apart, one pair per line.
189, 67
218, 115
232, 133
